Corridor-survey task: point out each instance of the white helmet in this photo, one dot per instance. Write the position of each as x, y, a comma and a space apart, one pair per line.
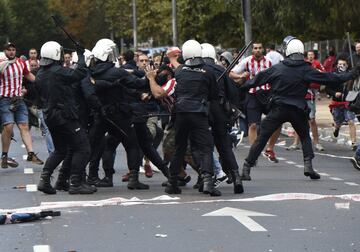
49, 52
292, 45
105, 50
191, 49
208, 51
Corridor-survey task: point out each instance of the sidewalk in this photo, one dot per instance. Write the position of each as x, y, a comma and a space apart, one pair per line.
325, 125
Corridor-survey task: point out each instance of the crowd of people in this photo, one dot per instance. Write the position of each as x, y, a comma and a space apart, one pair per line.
88, 102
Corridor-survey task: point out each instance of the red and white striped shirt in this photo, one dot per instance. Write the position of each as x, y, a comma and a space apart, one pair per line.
169, 88
253, 66
27, 62
12, 78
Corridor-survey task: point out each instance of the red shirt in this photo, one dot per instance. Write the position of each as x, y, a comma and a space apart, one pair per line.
310, 94
12, 78
329, 64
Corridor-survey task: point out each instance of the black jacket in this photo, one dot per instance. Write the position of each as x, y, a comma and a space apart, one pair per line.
118, 96
196, 86
290, 80
131, 65
341, 87
55, 87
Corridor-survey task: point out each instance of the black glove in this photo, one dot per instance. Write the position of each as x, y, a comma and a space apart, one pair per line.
79, 49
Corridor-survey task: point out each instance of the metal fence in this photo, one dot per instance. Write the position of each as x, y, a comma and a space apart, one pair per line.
322, 47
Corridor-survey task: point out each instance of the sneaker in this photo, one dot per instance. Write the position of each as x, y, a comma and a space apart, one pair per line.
148, 171
293, 147
218, 181
270, 155
7, 161
319, 147
336, 132
355, 162
34, 159
125, 177
239, 138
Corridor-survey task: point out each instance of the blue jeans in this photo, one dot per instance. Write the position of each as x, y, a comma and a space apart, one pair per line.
217, 165
13, 112
45, 132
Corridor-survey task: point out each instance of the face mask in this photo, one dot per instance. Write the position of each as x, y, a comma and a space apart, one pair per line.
161, 79
342, 68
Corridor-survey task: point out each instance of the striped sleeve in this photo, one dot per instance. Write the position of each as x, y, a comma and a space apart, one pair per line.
169, 87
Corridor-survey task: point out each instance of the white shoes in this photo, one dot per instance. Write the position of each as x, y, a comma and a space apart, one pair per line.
319, 147
293, 147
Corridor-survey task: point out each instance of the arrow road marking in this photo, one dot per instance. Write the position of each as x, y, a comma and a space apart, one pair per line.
241, 216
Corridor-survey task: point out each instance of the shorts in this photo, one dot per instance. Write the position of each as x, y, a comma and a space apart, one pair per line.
19, 115
341, 114
312, 107
254, 109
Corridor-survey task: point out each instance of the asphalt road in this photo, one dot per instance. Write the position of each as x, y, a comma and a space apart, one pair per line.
281, 210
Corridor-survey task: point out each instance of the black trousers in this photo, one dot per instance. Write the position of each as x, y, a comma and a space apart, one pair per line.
68, 136
220, 128
126, 136
195, 127
278, 115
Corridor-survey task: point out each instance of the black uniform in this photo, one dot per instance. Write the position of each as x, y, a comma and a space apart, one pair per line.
61, 116
116, 104
220, 122
194, 89
289, 83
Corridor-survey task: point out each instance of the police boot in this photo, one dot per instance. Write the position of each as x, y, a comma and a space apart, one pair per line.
238, 186
209, 186
134, 182
172, 186
86, 184
44, 183
309, 171
62, 183
246, 171
78, 187
107, 181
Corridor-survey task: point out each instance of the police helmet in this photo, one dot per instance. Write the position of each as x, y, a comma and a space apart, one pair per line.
50, 51
208, 51
105, 50
292, 45
87, 55
191, 49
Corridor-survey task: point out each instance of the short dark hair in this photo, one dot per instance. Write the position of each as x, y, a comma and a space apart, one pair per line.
271, 46
128, 55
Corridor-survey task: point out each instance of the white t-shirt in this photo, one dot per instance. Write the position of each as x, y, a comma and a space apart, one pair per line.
275, 57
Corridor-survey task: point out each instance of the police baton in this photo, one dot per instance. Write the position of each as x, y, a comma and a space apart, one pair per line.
57, 23
235, 61
115, 126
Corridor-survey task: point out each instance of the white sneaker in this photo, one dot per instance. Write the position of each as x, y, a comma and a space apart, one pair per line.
319, 147
239, 138
293, 147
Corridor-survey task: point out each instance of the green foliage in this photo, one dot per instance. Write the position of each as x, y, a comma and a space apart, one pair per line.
220, 22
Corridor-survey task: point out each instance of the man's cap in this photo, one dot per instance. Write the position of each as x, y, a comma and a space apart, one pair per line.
172, 51
8, 45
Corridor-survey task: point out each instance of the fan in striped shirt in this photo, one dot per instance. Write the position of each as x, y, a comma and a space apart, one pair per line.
12, 106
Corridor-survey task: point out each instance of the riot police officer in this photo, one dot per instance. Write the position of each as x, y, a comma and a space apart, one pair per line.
221, 110
289, 82
60, 109
118, 119
195, 87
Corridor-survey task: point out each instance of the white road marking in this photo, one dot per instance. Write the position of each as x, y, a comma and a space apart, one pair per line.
241, 216
351, 184
24, 157
299, 166
31, 188
281, 158
290, 162
324, 174
336, 179
41, 248
28, 171
298, 229
167, 200
23, 146
342, 205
